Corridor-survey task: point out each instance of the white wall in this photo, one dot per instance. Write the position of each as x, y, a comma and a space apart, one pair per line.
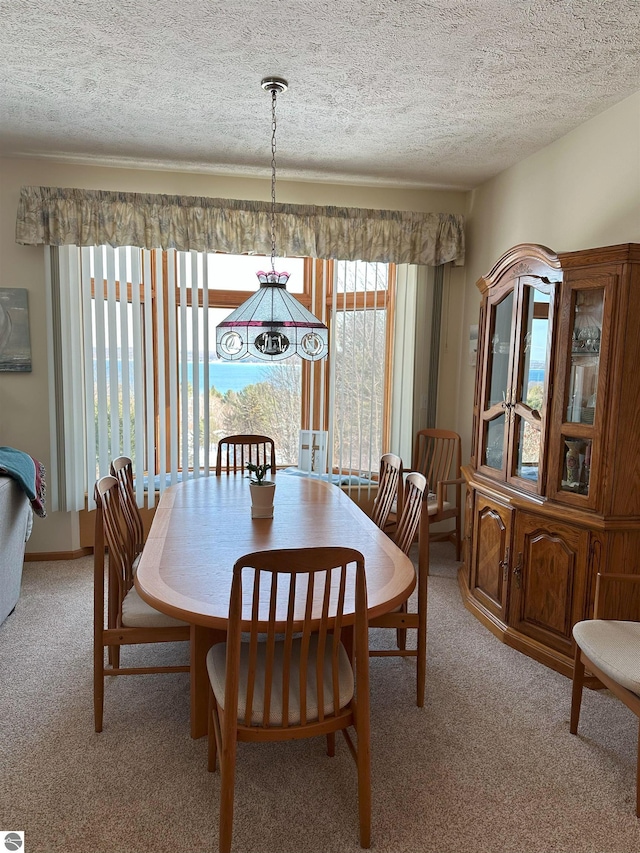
579, 192
24, 411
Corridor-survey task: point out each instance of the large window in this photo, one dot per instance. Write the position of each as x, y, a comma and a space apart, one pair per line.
153, 388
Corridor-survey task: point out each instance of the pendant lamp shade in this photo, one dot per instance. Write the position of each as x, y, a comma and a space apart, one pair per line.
272, 325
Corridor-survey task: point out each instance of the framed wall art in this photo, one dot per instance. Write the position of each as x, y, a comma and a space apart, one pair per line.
15, 343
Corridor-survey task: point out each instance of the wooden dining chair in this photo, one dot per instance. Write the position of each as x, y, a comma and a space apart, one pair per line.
235, 452
129, 619
389, 492
412, 520
437, 455
290, 676
609, 647
122, 469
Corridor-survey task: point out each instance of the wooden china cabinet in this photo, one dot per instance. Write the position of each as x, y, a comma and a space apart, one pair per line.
553, 484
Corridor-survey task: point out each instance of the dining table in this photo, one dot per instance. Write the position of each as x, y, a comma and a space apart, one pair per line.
203, 525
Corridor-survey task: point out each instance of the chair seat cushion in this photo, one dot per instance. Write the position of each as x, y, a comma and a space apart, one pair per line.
136, 613
216, 666
614, 647
432, 505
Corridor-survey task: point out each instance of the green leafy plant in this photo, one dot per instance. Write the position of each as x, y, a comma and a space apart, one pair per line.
259, 473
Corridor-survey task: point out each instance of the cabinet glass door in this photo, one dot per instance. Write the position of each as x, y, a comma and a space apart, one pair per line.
581, 400
498, 379
577, 439
585, 356
528, 394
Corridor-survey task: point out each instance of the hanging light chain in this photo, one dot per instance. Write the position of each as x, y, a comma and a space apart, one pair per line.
273, 178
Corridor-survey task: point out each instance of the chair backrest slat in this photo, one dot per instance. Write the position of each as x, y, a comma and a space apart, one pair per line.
253, 643
288, 645
304, 647
337, 631
323, 634
271, 647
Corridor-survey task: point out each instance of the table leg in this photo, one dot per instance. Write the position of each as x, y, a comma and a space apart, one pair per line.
201, 641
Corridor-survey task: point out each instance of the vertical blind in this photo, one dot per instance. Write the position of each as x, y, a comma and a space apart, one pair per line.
359, 360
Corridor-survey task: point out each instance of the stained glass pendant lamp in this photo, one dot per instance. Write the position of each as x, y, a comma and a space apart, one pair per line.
272, 324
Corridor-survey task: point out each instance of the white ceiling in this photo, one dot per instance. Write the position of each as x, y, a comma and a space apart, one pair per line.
432, 94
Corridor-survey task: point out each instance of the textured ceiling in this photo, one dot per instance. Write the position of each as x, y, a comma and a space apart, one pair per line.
441, 94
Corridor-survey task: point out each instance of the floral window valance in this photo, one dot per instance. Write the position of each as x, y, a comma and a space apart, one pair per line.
61, 216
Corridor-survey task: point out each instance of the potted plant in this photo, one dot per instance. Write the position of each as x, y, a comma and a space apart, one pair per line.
262, 491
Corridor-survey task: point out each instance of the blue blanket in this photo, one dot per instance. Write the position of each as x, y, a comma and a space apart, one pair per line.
28, 473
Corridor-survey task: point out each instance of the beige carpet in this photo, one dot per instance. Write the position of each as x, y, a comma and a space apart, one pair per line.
488, 765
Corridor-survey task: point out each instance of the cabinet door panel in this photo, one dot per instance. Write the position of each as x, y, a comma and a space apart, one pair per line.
527, 397
513, 412
498, 352
548, 580
582, 397
492, 536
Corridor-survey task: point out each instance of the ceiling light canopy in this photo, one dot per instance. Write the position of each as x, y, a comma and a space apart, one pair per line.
272, 324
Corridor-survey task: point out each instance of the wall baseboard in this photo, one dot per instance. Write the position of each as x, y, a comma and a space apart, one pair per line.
57, 555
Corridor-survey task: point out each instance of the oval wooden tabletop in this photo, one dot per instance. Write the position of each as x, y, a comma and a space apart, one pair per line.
202, 526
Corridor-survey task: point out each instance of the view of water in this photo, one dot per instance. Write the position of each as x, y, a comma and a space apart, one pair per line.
229, 376
225, 375
234, 376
